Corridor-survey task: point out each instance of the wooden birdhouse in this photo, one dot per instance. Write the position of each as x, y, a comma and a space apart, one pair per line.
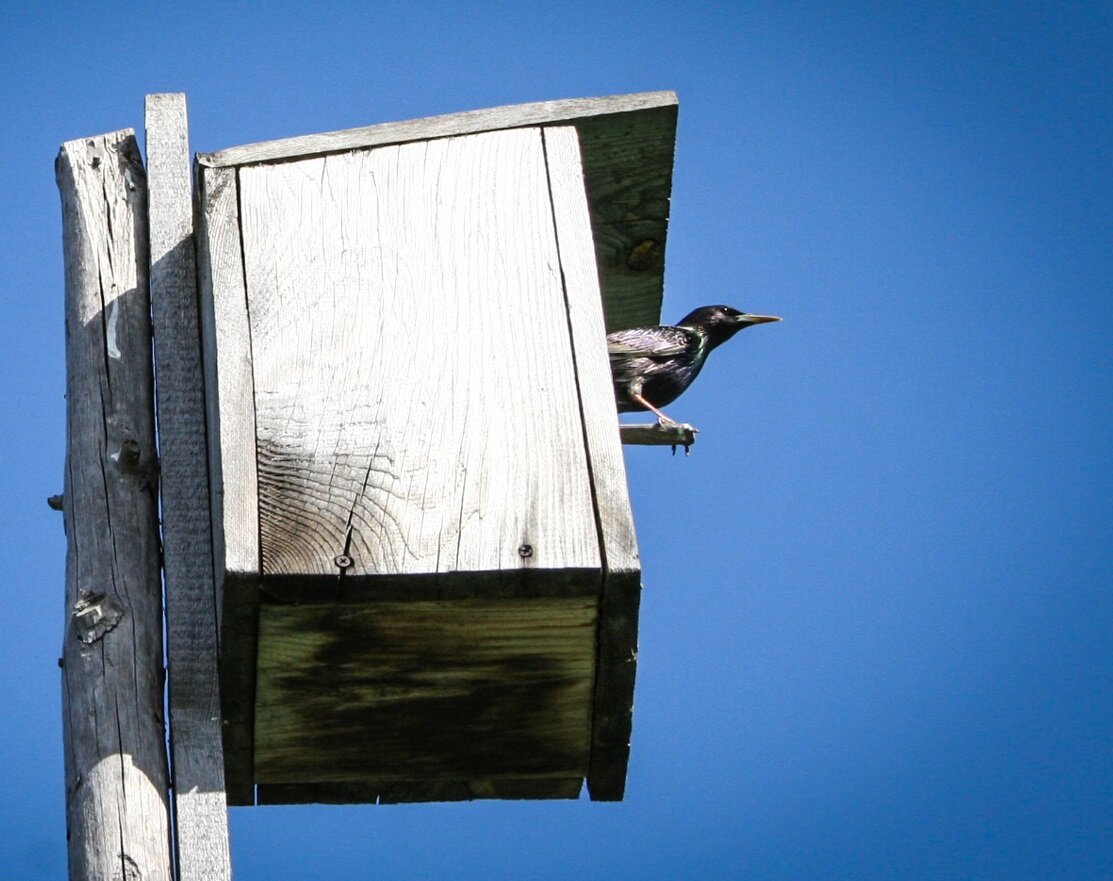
428, 565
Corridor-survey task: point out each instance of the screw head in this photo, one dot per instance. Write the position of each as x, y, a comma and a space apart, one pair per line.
342, 561
525, 551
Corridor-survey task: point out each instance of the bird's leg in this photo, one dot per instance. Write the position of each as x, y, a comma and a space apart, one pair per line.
637, 398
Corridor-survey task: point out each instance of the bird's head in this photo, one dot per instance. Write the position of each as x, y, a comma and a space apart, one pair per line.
720, 323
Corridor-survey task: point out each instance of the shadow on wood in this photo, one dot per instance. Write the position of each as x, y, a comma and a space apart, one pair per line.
117, 815
423, 535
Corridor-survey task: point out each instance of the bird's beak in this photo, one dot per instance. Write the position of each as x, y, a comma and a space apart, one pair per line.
757, 319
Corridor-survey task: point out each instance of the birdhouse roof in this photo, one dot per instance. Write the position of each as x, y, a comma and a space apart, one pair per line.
626, 142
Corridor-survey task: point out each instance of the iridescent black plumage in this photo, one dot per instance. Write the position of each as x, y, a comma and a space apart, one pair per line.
652, 366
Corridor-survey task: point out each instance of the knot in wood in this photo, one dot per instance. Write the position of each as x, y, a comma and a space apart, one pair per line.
94, 615
644, 255
127, 457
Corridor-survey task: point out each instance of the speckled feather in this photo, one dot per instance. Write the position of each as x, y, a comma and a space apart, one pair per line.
659, 363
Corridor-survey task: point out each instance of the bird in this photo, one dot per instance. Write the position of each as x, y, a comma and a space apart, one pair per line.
653, 366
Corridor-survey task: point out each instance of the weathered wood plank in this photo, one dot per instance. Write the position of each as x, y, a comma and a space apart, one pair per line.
593, 373
449, 125
415, 397
614, 686
424, 691
659, 434
230, 390
117, 815
627, 145
230, 420
617, 647
401, 792
239, 635
492, 585
201, 822
628, 162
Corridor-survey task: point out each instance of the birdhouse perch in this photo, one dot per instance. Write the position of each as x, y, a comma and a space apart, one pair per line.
424, 546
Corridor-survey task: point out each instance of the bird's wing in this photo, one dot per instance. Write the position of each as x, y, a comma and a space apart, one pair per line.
651, 342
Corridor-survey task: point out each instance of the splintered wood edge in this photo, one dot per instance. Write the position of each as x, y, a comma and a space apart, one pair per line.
468, 122
659, 435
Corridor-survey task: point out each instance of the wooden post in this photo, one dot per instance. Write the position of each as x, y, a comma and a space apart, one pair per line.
116, 779
201, 816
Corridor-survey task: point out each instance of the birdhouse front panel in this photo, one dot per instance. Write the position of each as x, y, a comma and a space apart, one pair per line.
426, 555
416, 404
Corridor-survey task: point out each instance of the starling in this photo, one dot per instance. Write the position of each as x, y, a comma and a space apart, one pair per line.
652, 366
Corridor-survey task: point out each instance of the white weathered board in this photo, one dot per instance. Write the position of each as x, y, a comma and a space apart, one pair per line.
230, 392
415, 399
628, 143
469, 122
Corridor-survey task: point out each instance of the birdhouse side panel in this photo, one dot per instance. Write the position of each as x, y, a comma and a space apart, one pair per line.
617, 641
229, 392
415, 396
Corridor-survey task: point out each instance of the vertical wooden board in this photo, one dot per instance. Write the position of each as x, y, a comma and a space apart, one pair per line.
618, 633
239, 633
201, 822
593, 373
413, 370
230, 419
229, 386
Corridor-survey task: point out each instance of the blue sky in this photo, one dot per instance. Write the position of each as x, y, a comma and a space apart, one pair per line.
877, 625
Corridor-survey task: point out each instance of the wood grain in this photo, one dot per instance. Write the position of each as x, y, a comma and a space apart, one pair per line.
407, 343
201, 822
117, 815
229, 384
230, 422
415, 397
617, 646
449, 125
660, 435
627, 142
459, 690
628, 161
